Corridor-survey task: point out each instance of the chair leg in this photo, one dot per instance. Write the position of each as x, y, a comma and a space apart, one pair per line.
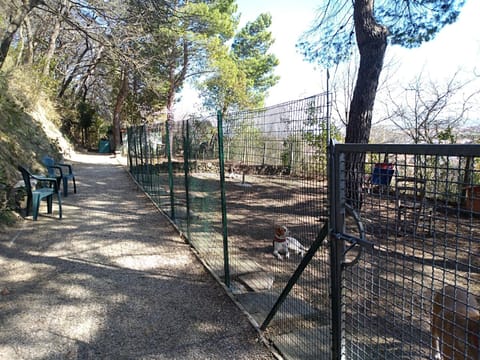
65, 187
74, 186
29, 205
49, 204
35, 205
59, 198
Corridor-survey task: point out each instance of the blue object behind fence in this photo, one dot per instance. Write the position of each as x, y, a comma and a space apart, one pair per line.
382, 174
104, 147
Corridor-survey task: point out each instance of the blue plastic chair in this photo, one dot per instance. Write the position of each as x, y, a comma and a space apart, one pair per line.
382, 174
35, 196
61, 172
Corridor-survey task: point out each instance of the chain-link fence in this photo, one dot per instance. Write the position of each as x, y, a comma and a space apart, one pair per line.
420, 217
270, 166
401, 223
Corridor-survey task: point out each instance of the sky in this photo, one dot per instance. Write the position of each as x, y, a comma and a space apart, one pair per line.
456, 46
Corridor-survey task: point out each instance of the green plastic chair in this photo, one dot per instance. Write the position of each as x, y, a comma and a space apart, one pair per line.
35, 196
61, 172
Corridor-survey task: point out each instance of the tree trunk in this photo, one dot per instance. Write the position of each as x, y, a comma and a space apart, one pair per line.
176, 81
51, 48
15, 22
29, 38
68, 79
82, 86
117, 113
52, 45
21, 46
372, 44
170, 117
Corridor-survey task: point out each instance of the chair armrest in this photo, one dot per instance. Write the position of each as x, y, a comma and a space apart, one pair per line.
65, 165
59, 168
50, 180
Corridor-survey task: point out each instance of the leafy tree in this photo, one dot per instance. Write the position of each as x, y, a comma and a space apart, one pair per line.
407, 23
85, 113
228, 86
15, 19
250, 46
244, 73
179, 42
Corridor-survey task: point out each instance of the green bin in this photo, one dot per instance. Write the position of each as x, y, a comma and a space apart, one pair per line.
104, 147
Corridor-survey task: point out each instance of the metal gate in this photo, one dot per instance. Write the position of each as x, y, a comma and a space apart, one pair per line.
420, 214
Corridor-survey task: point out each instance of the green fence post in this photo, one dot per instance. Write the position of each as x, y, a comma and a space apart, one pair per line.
336, 191
170, 171
186, 168
221, 163
142, 156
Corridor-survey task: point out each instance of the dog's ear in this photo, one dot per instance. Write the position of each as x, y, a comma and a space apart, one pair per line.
278, 230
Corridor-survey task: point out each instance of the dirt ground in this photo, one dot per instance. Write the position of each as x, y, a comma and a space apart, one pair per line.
388, 292
112, 280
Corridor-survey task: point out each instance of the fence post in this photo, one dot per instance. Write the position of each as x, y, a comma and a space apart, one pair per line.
186, 168
336, 186
142, 155
136, 147
221, 163
129, 148
264, 153
148, 160
170, 171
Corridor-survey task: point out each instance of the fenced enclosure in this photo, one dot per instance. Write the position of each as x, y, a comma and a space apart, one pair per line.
381, 235
420, 216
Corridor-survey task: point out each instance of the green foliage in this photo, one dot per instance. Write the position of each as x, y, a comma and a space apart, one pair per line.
228, 86
410, 23
250, 48
85, 115
178, 40
316, 134
447, 136
244, 142
24, 137
242, 74
202, 131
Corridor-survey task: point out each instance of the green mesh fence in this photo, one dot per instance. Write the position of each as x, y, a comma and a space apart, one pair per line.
275, 174
276, 170
421, 222
403, 221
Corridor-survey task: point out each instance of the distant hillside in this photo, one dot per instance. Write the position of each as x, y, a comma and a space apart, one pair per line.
28, 131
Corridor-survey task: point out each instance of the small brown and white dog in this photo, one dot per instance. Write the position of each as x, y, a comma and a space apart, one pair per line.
455, 324
283, 243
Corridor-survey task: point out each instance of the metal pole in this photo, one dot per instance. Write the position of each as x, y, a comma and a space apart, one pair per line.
221, 163
337, 213
328, 110
186, 168
170, 172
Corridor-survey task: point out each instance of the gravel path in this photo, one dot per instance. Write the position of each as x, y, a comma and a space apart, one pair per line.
112, 280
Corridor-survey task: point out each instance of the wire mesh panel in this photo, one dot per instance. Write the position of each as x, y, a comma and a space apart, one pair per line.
276, 176
412, 294
148, 162
204, 227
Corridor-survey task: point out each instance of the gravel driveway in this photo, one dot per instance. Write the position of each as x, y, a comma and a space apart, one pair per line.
112, 280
